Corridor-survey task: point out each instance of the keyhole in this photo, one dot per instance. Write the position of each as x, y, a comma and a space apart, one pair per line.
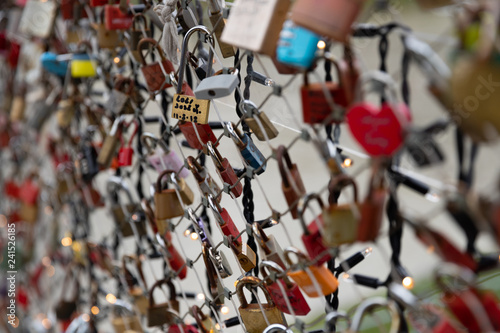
211, 92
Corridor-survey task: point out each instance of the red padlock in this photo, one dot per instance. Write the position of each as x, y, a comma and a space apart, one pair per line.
70, 7
225, 170
175, 260
372, 209
312, 239
125, 154
13, 53
225, 221
29, 190
292, 291
100, 3
156, 73
11, 189
116, 17
190, 131
293, 187
316, 106
185, 328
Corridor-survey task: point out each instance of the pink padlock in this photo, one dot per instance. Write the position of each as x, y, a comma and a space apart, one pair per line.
162, 158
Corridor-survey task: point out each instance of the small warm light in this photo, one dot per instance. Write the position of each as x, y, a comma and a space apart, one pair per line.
51, 270
111, 298
224, 310
116, 60
433, 197
367, 251
3, 221
46, 261
273, 222
430, 249
194, 235
217, 326
187, 232
135, 217
85, 317
347, 163
40, 316
77, 246
48, 210
346, 277
200, 297
269, 82
47, 324
66, 241
408, 282
94, 310
321, 44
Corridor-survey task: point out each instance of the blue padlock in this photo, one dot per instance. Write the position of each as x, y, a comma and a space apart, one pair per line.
251, 154
297, 46
52, 65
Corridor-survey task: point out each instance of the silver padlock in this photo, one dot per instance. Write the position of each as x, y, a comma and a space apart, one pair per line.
368, 306
221, 263
277, 328
217, 86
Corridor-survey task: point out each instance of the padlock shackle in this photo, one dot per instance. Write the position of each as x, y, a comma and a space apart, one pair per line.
199, 317
380, 82
281, 274
337, 183
254, 281
303, 205
121, 81
146, 41
138, 264
134, 133
261, 236
282, 154
146, 137
300, 255
216, 208
135, 20
235, 135
182, 66
195, 168
331, 320
249, 108
150, 215
159, 283
369, 305
160, 177
116, 183
216, 156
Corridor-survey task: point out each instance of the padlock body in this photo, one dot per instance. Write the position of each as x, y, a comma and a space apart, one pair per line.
190, 109
82, 66
341, 225
50, 64
315, 106
157, 314
217, 86
125, 155
176, 262
297, 46
291, 196
218, 24
253, 318
229, 228
297, 301
229, 176
325, 279
167, 205
252, 155
161, 162
313, 242
124, 324
372, 214
205, 132
108, 151
115, 19
246, 257
269, 127
153, 74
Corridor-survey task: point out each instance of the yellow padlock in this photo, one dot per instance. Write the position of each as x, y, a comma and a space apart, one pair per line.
81, 64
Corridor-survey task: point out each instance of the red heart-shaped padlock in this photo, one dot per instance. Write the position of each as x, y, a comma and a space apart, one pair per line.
380, 131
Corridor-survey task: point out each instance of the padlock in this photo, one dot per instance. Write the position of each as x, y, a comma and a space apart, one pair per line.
478, 311
220, 263
107, 39
160, 227
319, 108
199, 65
87, 159
254, 319
100, 3
175, 260
119, 97
29, 190
315, 281
116, 17
135, 290
125, 154
38, 18
136, 34
372, 208
331, 18
160, 314
423, 149
313, 242
52, 65
205, 182
245, 255
65, 112
187, 15
215, 284
379, 130
297, 46
368, 306
192, 131
291, 182
291, 291
224, 220
156, 73
190, 109
81, 64
72, 10
341, 221
225, 170
167, 204
28, 212
162, 158
255, 26
204, 322
269, 245
123, 214
42, 111
218, 85
331, 321
258, 121
66, 308
250, 153
110, 144
182, 328
218, 24
17, 109
126, 323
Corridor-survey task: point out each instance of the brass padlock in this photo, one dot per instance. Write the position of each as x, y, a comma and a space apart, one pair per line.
65, 112
111, 144
124, 320
17, 109
253, 318
218, 24
246, 256
204, 322
28, 212
167, 202
341, 221
258, 121
107, 39
291, 182
159, 314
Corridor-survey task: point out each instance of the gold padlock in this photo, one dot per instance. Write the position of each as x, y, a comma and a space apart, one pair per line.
110, 144
65, 112
127, 324
28, 212
167, 204
159, 314
218, 24
251, 314
158, 226
246, 256
258, 122
17, 108
341, 221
